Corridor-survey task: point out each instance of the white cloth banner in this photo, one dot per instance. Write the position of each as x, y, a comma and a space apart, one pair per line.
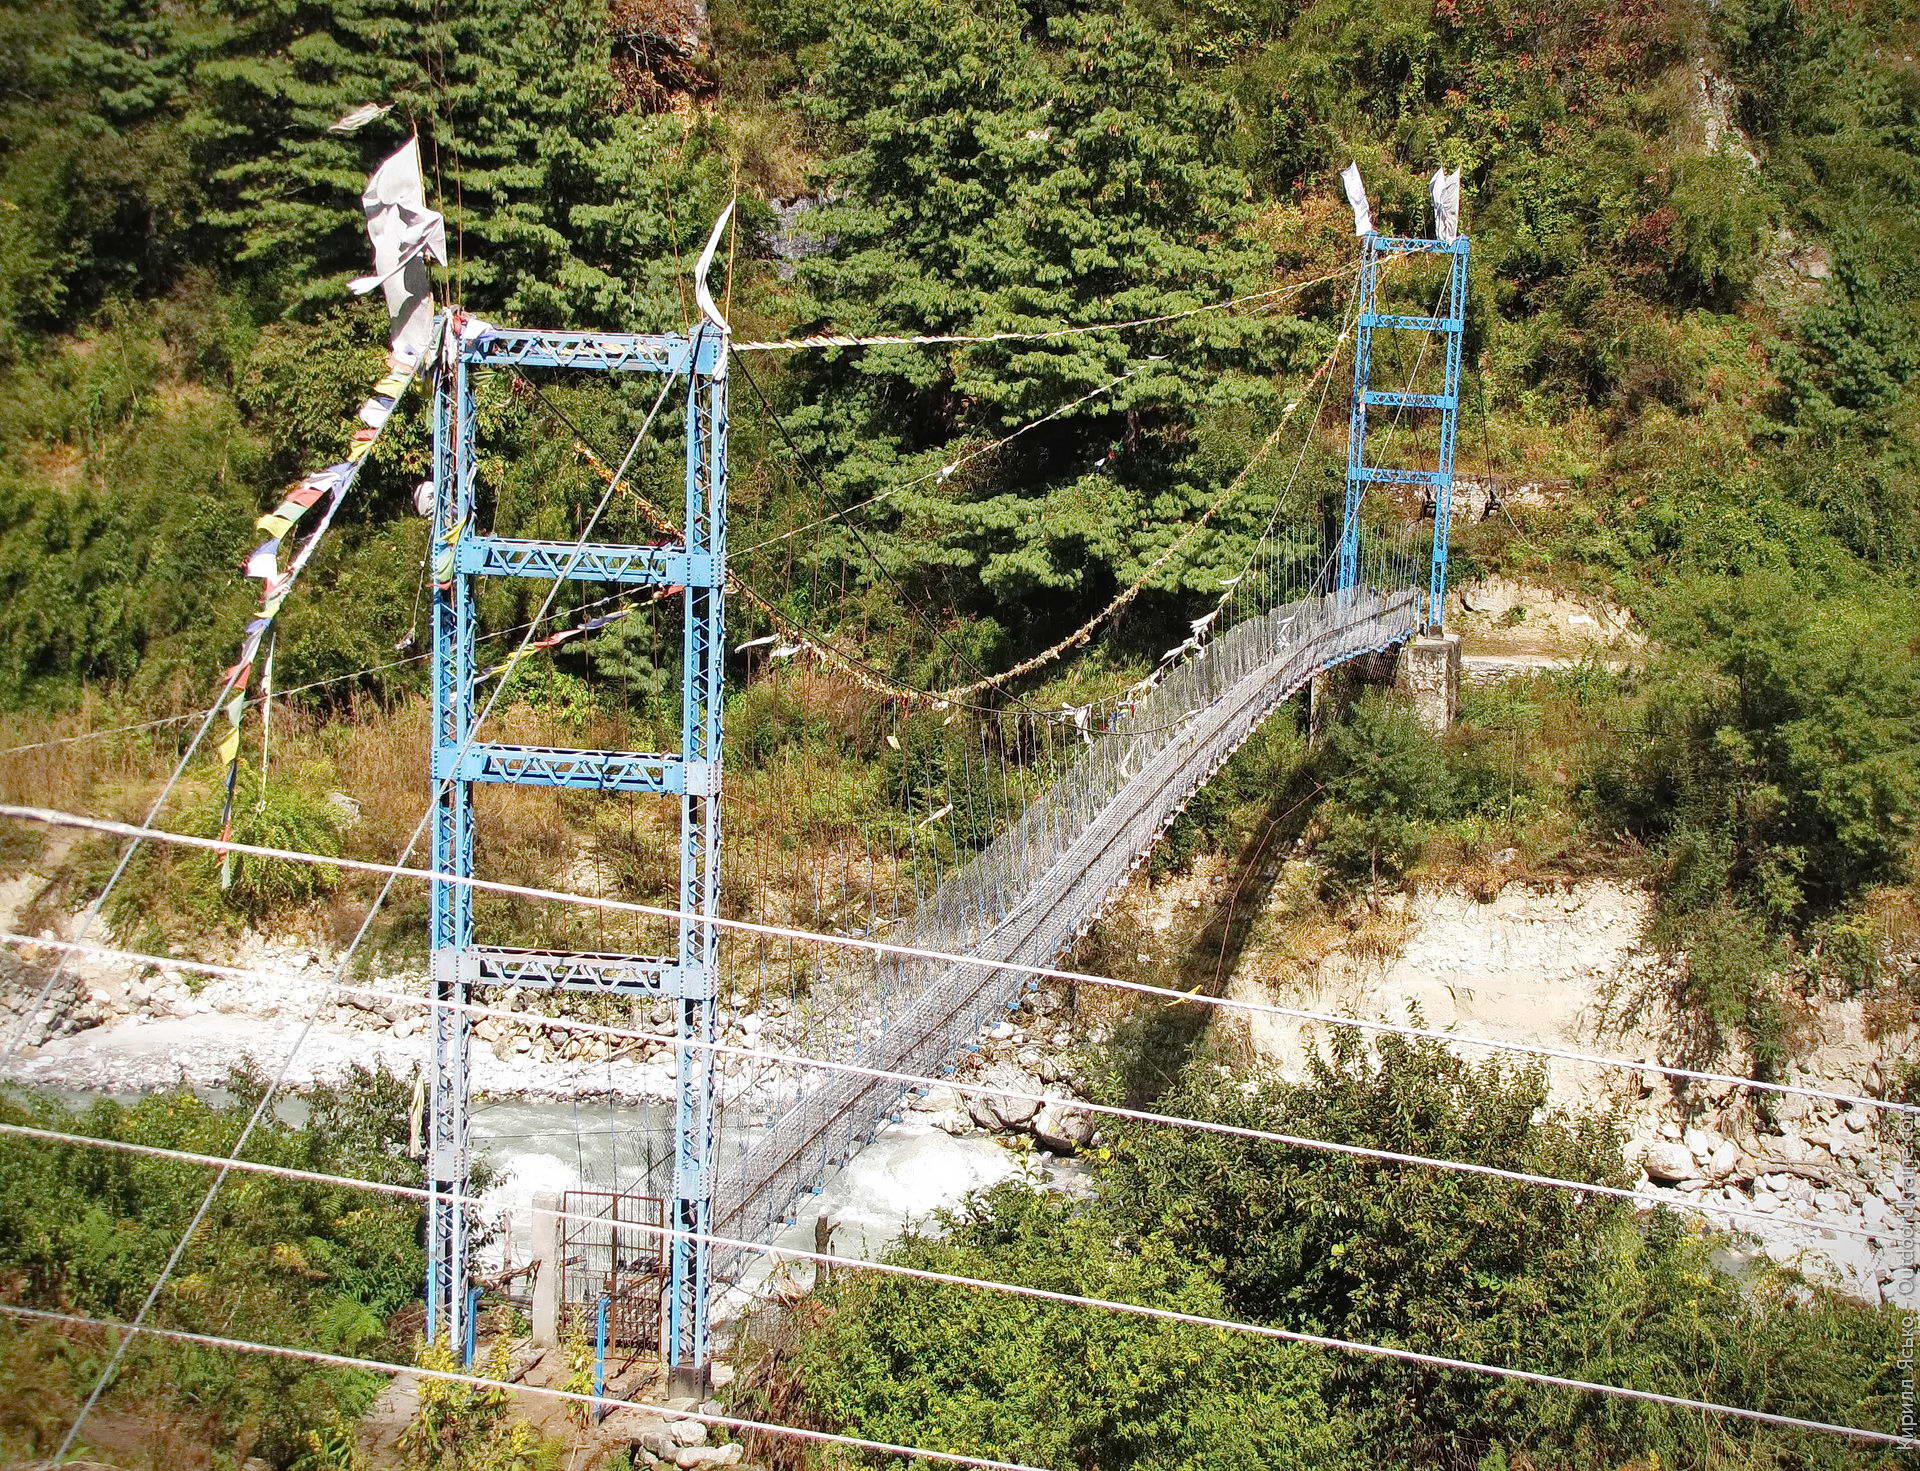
1357, 197
406, 235
1446, 205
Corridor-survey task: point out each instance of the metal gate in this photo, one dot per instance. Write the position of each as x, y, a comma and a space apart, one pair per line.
626, 1268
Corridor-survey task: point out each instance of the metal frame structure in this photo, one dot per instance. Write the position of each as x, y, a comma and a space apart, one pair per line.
613, 1277
1375, 250
692, 775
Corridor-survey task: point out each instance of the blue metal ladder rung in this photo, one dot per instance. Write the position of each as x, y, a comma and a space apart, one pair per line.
647, 566
1409, 245
609, 352
598, 972
561, 766
1384, 475
1411, 324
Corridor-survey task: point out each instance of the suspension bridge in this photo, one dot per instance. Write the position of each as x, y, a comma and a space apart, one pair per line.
1057, 816
1022, 898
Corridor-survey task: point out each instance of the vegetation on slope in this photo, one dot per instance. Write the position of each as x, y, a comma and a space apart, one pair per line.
1707, 358
1346, 1248
85, 1231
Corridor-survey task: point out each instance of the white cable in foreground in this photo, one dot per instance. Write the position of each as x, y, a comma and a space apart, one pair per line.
382, 1366
983, 1090
57, 818
951, 1279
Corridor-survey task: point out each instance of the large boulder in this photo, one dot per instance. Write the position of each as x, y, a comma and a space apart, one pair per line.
1668, 1162
1063, 1129
687, 1432
688, 1457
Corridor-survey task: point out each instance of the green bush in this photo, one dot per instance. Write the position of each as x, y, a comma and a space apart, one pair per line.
87, 1231
273, 812
1776, 756
1347, 1247
1389, 784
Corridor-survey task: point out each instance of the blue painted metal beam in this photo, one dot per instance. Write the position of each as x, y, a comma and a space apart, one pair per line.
450, 923
650, 566
1376, 399
702, 700
593, 971
606, 352
561, 766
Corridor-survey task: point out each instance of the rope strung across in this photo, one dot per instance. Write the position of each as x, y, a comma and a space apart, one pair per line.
957, 696
666, 525
983, 1284
911, 952
841, 339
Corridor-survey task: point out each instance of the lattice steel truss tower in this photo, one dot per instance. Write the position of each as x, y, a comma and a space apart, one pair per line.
460, 964
1375, 251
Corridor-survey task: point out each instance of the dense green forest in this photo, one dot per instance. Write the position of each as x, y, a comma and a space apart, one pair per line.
1695, 316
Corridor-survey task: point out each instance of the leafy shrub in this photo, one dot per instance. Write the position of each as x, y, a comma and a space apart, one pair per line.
276, 812
1389, 782
1354, 1248
87, 1231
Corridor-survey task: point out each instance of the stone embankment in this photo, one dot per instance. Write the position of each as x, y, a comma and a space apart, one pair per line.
118, 1031
1564, 967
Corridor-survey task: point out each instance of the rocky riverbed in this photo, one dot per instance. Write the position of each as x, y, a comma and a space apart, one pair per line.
1555, 967
1562, 966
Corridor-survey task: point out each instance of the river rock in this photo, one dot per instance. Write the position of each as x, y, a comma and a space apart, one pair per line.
1723, 1162
707, 1455
1668, 1162
1063, 1130
1002, 1113
687, 1432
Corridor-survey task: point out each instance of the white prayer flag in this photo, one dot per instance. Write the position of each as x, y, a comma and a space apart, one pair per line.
1357, 198
264, 562
354, 121
1446, 205
406, 235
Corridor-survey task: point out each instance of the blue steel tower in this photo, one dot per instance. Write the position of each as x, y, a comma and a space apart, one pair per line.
690, 776
1451, 325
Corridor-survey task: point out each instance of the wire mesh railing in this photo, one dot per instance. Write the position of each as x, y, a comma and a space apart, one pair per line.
1035, 886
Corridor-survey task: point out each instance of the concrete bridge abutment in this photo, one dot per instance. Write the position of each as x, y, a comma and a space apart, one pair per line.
1427, 673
